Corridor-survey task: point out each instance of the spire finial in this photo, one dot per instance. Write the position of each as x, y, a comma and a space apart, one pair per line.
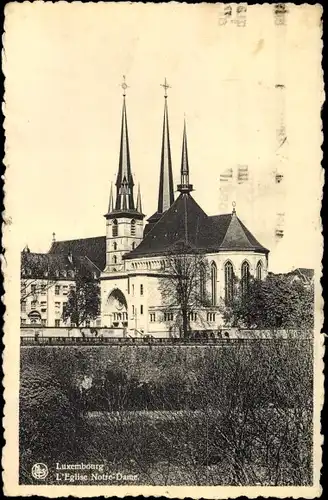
111, 199
124, 86
234, 207
139, 204
166, 86
53, 237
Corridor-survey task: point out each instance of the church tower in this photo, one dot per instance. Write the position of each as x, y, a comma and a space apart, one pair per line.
124, 219
165, 191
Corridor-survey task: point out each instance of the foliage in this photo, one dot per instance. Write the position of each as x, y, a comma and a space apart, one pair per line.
244, 414
181, 285
83, 302
276, 302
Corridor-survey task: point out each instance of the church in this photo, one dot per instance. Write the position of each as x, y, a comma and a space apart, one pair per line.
136, 252
130, 260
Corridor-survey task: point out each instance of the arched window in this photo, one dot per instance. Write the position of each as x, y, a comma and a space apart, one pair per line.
114, 228
259, 267
244, 277
115, 245
133, 227
202, 283
228, 282
114, 259
213, 283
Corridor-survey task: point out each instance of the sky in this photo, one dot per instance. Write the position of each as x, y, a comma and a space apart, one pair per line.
64, 65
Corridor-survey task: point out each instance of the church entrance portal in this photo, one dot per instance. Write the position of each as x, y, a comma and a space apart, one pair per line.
117, 309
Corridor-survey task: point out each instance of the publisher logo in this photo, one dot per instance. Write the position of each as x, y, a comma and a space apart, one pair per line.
39, 471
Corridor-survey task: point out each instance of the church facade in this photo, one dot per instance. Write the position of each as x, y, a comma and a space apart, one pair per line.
136, 252
130, 260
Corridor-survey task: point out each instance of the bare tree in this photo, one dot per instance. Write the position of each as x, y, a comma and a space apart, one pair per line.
183, 285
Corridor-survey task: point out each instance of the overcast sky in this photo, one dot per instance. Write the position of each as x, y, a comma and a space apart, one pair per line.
64, 65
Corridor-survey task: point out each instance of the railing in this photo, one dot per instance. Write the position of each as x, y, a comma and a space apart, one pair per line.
87, 341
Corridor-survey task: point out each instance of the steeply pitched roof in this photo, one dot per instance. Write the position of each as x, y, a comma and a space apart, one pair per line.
92, 248
186, 221
53, 266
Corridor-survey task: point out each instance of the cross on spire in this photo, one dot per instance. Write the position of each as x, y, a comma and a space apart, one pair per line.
124, 86
166, 86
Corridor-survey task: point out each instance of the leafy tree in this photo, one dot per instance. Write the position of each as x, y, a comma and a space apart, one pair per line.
83, 302
276, 302
32, 282
183, 284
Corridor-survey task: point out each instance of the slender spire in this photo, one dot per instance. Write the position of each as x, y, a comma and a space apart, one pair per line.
111, 199
165, 193
233, 208
184, 187
139, 204
124, 180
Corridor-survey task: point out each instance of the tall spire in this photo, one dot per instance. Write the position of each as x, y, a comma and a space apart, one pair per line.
165, 193
139, 204
184, 187
124, 180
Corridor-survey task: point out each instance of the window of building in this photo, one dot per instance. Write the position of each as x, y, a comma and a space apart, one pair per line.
132, 290
57, 305
168, 316
33, 304
43, 289
132, 310
213, 283
115, 228
259, 270
244, 277
57, 289
57, 322
141, 309
23, 306
33, 289
202, 283
133, 245
115, 245
114, 259
87, 323
133, 227
211, 317
228, 282
43, 322
65, 289
141, 289
152, 317
192, 316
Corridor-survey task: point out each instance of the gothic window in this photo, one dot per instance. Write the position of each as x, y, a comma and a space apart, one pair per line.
228, 282
114, 259
213, 283
115, 245
133, 227
244, 277
202, 283
259, 270
115, 228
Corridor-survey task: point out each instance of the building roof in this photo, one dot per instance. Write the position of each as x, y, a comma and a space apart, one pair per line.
185, 221
92, 248
53, 266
